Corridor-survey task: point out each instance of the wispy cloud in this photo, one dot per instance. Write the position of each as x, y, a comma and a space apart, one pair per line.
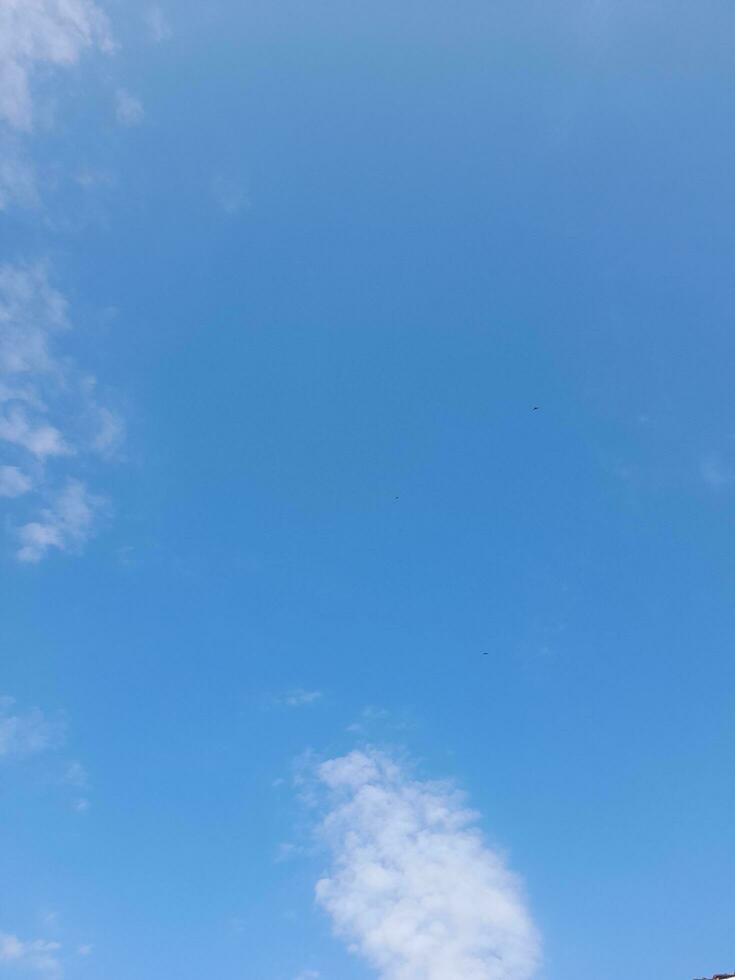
157, 23
49, 414
37, 37
38, 438
413, 887
38, 34
66, 524
128, 109
715, 472
36, 956
299, 698
17, 177
14, 482
77, 777
24, 733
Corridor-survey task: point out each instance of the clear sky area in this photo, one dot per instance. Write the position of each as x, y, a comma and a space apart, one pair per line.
367, 489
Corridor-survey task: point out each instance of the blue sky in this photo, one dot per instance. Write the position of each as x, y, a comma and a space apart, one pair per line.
324, 654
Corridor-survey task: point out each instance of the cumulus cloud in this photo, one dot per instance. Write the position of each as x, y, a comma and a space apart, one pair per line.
413, 887
25, 733
37, 956
128, 109
66, 524
49, 414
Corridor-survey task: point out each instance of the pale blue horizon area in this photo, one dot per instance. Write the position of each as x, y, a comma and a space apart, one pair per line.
325, 281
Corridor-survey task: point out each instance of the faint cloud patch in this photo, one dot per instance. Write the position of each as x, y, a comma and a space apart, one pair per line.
17, 178
128, 109
14, 482
36, 956
372, 722
159, 29
287, 851
88, 178
25, 733
715, 472
77, 777
299, 698
230, 195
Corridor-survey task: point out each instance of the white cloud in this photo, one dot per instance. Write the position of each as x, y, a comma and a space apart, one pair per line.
66, 524
49, 413
413, 887
37, 956
40, 439
128, 109
31, 312
23, 734
299, 697
42, 33
85, 949
13, 482
157, 23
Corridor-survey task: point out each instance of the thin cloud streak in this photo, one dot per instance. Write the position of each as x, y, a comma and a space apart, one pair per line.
413, 888
299, 698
